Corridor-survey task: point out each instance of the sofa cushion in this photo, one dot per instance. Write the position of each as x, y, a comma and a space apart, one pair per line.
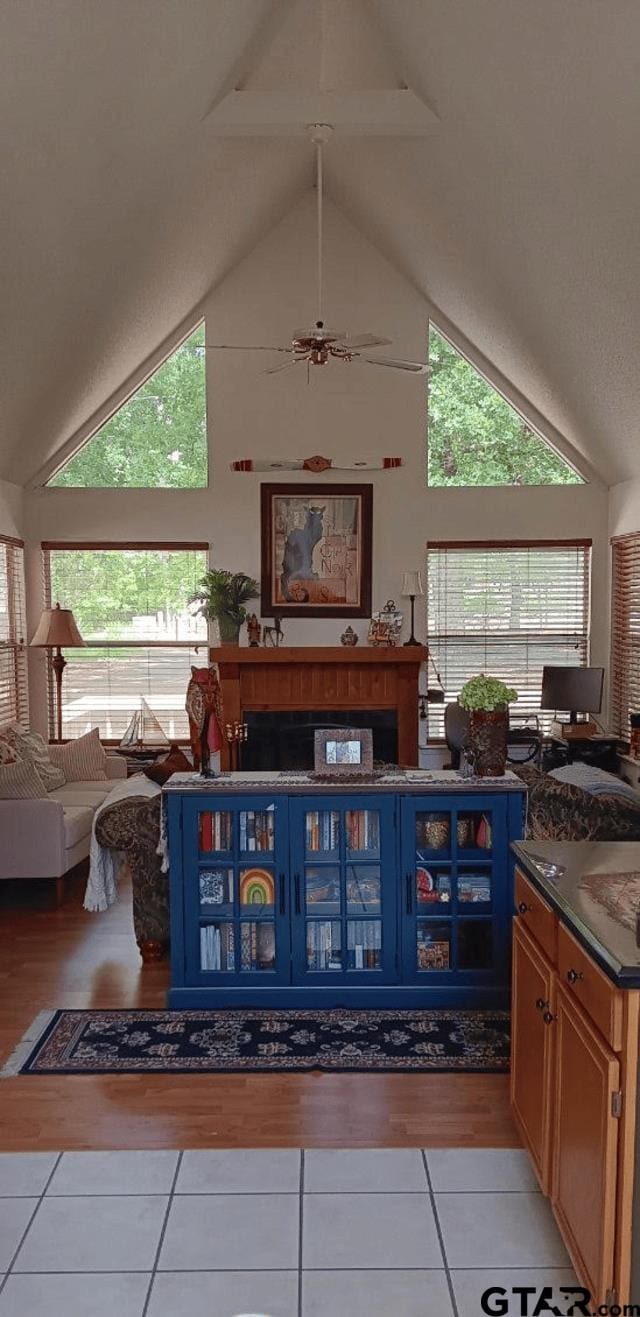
90, 794
78, 821
21, 781
81, 760
30, 745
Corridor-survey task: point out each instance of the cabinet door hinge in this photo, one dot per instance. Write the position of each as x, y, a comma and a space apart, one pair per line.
616, 1104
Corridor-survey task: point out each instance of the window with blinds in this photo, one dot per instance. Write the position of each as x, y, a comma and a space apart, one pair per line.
506, 610
131, 604
625, 632
14, 691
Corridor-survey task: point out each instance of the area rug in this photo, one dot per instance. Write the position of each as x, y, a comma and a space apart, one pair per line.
197, 1042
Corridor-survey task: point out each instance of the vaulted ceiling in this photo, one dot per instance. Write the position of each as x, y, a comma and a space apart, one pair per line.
504, 183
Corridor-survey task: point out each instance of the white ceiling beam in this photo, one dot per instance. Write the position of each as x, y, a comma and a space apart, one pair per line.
386, 113
263, 36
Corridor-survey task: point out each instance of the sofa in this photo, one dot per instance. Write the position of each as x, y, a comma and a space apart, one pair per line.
560, 811
47, 836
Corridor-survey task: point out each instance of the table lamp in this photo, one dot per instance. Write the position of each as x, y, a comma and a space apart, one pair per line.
57, 629
412, 586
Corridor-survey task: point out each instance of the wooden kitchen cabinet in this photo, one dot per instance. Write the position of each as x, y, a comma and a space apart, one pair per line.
585, 1143
574, 1083
532, 1047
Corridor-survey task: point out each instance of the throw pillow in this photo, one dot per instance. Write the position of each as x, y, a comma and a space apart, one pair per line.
20, 781
32, 746
174, 762
8, 753
82, 760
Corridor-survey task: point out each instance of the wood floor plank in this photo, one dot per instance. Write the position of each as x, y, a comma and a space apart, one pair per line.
69, 958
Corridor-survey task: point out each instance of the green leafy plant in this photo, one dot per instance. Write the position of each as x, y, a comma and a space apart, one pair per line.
486, 693
222, 595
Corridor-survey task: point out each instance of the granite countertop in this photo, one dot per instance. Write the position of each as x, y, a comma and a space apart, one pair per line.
595, 890
292, 783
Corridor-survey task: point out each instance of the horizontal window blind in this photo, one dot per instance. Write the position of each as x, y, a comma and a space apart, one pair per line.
131, 603
625, 632
506, 610
14, 691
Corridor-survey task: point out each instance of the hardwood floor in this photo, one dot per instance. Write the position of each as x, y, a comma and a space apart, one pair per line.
66, 957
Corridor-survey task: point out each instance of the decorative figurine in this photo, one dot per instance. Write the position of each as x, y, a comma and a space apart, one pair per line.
349, 637
254, 631
273, 635
386, 625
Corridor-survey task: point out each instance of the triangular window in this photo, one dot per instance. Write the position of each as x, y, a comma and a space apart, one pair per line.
475, 437
158, 438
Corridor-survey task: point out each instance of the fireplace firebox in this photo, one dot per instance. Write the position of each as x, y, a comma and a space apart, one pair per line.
285, 738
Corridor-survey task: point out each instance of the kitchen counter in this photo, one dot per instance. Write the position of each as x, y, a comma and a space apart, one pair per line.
594, 887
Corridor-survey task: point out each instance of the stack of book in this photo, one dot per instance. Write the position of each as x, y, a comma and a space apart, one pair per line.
363, 830
364, 943
216, 947
257, 829
322, 830
323, 945
215, 830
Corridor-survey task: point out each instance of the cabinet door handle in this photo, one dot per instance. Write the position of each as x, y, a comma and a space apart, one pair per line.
523, 908
541, 1003
573, 975
282, 883
548, 1017
296, 888
409, 887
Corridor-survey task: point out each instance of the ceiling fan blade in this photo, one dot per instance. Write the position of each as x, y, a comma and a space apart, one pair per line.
413, 367
365, 341
274, 370
244, 347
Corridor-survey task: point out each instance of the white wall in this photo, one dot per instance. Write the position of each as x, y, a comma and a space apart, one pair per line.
11, 509
357, 411
624, 507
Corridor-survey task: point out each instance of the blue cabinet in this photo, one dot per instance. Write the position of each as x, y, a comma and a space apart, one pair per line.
340, 898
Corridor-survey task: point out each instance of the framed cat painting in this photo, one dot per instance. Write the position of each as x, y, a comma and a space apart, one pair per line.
316, 550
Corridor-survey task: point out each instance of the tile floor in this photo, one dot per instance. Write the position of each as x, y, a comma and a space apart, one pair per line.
335, 1233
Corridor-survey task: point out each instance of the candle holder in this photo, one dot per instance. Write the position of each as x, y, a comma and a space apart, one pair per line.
235, 734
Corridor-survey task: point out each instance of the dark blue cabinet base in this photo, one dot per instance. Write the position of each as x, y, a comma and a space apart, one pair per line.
341, 898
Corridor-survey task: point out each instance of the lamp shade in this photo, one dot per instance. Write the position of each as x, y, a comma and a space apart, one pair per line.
57, 626
411, 584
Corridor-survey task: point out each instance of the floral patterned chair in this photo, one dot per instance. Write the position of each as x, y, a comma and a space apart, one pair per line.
133, 827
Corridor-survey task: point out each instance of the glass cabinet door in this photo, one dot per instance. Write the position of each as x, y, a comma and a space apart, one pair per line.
450, 911
344, 878
235, 864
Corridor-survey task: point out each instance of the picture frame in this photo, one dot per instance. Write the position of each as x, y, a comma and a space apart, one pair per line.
316, 550
343, 751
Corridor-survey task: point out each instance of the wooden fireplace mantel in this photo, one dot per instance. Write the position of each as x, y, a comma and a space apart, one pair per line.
324, 677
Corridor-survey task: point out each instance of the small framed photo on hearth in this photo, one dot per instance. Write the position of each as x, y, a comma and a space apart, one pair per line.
340, 751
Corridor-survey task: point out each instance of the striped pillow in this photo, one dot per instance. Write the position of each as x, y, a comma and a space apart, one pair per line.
83, 760
20, 781
31, 745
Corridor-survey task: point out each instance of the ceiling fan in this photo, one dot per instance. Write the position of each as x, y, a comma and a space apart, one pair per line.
319, 345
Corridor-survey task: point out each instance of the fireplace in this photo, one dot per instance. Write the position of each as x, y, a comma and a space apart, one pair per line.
311, 686
285, 738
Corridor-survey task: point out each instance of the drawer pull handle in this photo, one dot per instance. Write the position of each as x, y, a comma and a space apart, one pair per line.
541, 1003
548, 1017
573, 975
523, 908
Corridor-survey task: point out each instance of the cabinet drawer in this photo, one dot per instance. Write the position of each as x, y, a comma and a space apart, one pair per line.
536, 915
597, 995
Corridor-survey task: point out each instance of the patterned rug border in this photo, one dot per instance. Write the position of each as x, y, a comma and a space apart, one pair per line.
70, 1024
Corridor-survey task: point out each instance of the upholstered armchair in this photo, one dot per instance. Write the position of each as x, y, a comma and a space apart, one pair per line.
133, 827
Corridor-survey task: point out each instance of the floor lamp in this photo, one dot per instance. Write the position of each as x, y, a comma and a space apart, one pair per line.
57, 630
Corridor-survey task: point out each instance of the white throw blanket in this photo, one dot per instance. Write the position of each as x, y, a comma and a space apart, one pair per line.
104, 864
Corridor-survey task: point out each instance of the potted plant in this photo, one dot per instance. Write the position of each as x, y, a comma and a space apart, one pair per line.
487, 701
222, 595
